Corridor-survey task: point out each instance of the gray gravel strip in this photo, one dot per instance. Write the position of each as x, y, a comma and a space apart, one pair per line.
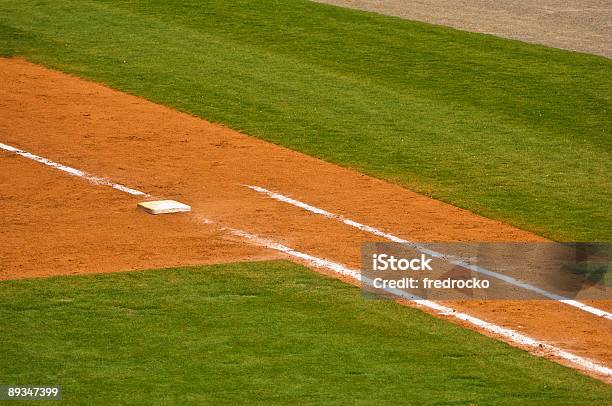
577, 25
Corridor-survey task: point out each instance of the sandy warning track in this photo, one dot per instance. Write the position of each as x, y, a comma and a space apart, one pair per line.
53, 223
577, 25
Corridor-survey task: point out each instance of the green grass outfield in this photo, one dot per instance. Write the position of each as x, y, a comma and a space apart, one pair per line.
513, 131
268, 332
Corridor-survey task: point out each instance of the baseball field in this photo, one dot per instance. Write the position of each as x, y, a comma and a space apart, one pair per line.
296, 131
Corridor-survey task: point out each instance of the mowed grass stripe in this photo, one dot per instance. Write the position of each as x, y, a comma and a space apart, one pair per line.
513, 131
269, 332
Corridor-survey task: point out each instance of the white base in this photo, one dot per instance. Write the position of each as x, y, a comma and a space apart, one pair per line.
163, 207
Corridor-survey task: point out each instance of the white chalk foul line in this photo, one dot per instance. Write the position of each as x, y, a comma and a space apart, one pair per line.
72, 171
449, 258
508, 334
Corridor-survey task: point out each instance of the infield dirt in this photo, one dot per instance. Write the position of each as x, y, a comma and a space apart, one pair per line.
53, 223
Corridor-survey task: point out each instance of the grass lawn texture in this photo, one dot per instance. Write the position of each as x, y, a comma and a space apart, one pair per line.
268, 332
513, 131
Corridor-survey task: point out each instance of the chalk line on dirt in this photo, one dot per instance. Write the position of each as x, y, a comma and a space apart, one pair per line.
506, 333
72, 171
449, 258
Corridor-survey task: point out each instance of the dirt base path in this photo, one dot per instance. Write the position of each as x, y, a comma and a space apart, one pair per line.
577, 25
52, 223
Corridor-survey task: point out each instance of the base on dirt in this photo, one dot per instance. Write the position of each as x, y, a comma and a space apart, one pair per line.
163, 207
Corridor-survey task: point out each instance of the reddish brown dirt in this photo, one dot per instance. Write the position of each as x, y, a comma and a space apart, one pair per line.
52, 223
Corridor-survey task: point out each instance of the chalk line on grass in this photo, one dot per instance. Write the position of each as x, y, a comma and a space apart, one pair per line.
449, 258
508, 334
72, 171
